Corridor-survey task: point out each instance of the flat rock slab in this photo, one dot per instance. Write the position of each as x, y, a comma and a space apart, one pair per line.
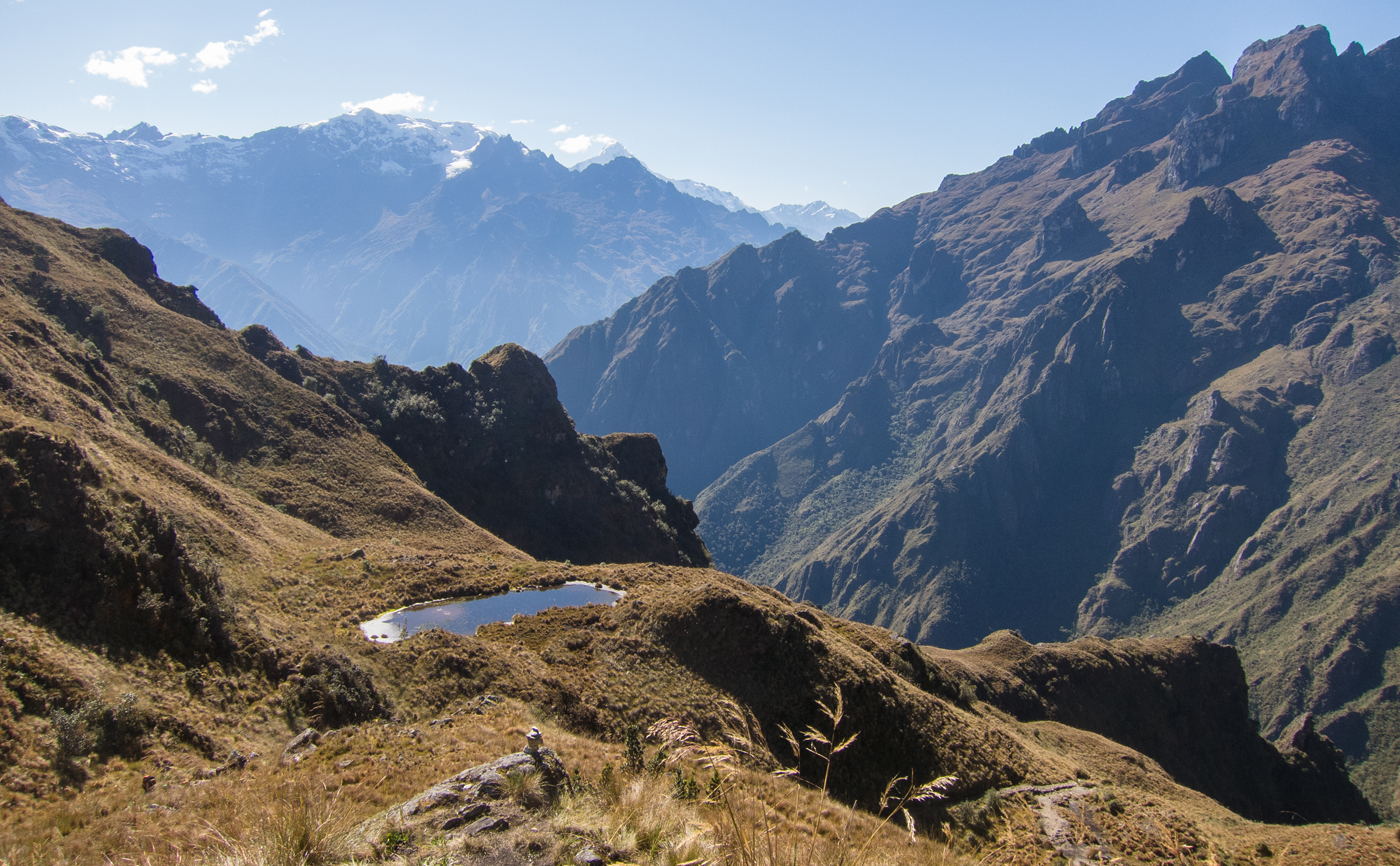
487, 825
467, 804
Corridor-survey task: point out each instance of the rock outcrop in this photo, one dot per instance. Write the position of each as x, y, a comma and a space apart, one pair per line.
494, 442
475, 802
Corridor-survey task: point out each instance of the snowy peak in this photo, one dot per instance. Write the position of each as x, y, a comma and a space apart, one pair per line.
140, 132
610, 153
814, 219
726, 200
387, 143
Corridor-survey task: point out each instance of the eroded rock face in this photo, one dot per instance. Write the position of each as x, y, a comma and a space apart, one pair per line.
1115, 385
495, 443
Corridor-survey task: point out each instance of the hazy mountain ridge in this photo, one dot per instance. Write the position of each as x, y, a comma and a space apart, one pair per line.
813, 219
1175, 287
421, 240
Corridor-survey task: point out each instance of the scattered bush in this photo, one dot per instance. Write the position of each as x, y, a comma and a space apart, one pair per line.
332, 692
633, 757
101, 728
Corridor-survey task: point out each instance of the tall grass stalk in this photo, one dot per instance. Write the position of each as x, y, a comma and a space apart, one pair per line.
750, 832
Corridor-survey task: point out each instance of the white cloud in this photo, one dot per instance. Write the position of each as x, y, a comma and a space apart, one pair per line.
205, 86
266, 27
104, 102
394, 103
129, 64
216, 55
581, 143
561, 128
522, 121
263, 14
577, 144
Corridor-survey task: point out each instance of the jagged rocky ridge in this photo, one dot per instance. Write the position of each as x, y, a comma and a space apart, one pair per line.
427, 242
1126, 379
494, 442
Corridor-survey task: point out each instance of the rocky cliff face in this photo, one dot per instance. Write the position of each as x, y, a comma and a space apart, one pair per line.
720, 361
1107, 376
494, 442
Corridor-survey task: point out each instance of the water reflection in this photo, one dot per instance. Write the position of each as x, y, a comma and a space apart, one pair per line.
463, 616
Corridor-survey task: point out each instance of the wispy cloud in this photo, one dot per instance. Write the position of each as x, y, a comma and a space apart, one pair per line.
204, 86
522, 121
263, 14
560, 129
103, 102
581, 143
394, 103
129, 64
217, 55
266, 27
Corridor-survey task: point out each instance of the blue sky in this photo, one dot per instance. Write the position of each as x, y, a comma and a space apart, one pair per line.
859, 104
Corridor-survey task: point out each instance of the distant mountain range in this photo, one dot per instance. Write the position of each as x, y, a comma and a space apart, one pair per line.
814, 219
369, 233
1137, 377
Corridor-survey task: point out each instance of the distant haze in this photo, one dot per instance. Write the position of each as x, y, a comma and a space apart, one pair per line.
424, 241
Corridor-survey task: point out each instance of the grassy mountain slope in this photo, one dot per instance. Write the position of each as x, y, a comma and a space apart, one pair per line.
190, 541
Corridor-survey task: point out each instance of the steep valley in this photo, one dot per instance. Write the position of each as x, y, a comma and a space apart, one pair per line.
1134, 379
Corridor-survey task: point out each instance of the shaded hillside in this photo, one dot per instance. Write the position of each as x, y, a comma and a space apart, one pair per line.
1189, 711
1090, 366
720, 361
427, 242
493, 441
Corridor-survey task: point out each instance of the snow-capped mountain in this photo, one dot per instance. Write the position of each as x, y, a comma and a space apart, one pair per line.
813, 220
610, 153
422, 240
727, 200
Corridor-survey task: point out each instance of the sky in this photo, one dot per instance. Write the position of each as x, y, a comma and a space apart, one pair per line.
860, 105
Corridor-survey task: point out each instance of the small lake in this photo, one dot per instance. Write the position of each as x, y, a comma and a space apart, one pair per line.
463, 616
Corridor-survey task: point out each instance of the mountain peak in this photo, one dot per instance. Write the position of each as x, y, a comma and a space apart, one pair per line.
140, 132
611, 152
1284, 66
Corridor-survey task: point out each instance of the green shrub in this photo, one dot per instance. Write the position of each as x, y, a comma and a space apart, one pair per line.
332, 692
633, 757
